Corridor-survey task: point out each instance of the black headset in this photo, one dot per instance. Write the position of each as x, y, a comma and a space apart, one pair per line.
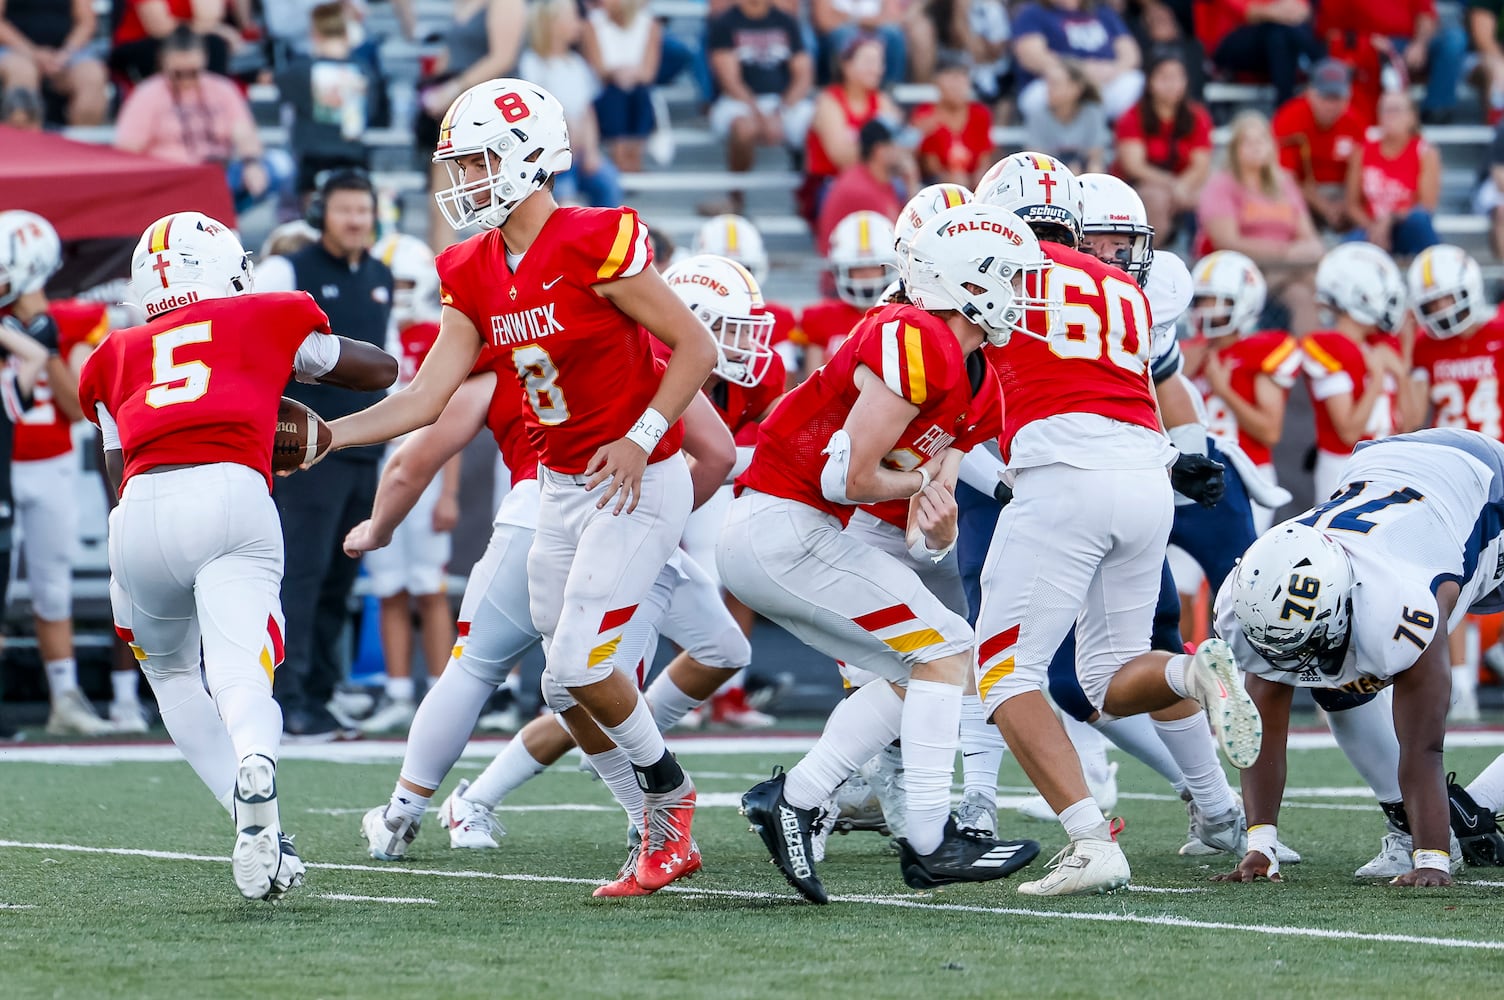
347, 179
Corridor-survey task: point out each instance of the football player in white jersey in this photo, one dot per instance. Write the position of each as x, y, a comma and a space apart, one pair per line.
1360, 594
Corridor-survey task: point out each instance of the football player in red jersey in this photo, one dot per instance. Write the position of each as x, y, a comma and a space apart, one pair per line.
862, 260
1092, 510
736, 238
568, 292
187, 407
1355, 370
876, 423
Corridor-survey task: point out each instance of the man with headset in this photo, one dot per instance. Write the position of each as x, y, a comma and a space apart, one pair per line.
320, 505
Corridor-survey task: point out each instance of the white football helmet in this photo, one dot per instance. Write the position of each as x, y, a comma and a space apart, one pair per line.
415, 295
187, 257
1361, 280
862, 240
521, 129
1229, 296
1291, 594
1437, 273
893, 293
1109, 207
30, 253
1038, 189
737, 238
923, 207
726, 298
982, 261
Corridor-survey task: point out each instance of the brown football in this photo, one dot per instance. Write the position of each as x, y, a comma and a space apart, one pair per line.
301, 436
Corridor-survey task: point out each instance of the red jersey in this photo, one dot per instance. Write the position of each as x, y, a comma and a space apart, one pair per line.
1311, 152
1334, 365
738, 405
43, 432
1272, 353
587, 367
785, 323
1161, 147
201, 384
413, 344
984, 422
915, 354
828, 323
1098, 362
506, 417
958, 151
1463, 373
1390, 186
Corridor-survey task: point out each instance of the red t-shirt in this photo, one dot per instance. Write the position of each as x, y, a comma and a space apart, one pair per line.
1334, 365
1215, 18
826, 324
1390, 18
816, 161
586, 366
226, 361
1161, 147
413, 344
915, 354
1310, 152
1463, 373
1391, 185
855, 190
43, 432
960, 151
505, 416
1273, 353
130, 28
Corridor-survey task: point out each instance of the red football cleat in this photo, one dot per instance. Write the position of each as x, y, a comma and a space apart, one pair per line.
626, 880
668, 850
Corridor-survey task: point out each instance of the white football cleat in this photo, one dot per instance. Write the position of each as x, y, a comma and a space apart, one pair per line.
1036, 808
1223, 834
290, 870
1212, 679
128, 718
976, 814
1394, 857
73, 715
1104, 792
884, 773
471, 825
257, 856
390, 715
1085, 867
386, 840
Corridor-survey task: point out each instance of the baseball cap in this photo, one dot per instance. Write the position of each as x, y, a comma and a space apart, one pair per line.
1331, 78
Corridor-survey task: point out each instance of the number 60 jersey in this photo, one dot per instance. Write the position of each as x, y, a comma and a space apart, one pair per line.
1416, 511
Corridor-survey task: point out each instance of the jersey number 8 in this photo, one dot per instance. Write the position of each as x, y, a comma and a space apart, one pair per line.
540, 379
173, 381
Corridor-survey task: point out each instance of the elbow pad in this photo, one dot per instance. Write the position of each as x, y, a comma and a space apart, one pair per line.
833, 475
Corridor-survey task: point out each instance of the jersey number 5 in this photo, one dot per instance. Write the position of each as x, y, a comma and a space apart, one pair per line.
540, 380
174, 381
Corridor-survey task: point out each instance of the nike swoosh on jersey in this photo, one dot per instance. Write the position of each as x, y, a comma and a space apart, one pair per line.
549, 284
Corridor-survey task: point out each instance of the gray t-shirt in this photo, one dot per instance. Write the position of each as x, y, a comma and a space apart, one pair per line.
1070, 141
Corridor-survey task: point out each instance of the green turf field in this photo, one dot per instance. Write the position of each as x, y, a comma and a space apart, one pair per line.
155, 914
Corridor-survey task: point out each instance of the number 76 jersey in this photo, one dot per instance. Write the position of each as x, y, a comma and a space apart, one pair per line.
1415, 511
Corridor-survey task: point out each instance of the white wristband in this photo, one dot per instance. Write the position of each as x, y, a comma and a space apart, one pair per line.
1439, 860
648, 430
1264, 838
920, 551
926, 474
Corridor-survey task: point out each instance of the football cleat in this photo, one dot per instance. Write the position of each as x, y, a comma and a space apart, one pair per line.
668, 852
819, 830
625, 883
857, 807
963, 856
290, 870
1476, 828
977, 815
1394, 857
1212, 680
1084, 867
256, 858
389, 715
884, 773
73, 715
470, 824
731, 709
129, 718
785, 832
1226, 833
1105, 793
387, 839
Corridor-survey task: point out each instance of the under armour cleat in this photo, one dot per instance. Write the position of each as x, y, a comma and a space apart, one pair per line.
1476, 828
668, 851
387, 839
785, 832
471, 825
963, 856
731, 709
1085, 867
128, 717
625, 883
1212, 679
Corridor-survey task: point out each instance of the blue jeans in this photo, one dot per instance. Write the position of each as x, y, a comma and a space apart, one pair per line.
280, 171
1444, 59
895, 49
1410, 235
601, 189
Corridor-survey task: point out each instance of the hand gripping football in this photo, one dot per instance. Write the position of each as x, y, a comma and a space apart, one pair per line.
301, 437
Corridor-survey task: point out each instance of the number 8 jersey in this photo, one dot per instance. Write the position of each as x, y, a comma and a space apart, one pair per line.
1415, 511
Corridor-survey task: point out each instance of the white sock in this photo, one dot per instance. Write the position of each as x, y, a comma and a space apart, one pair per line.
198, 732
1366, 736
1090, 747
1464, 679
511, 769
400, 688
1487, 789
616, 770
1083, 821
1175, 673
62, 676
252, 716
668, 702
407, 804
1137, 736
929, 733
442, 726
1191, 743
638, 735
126, 684
860, 726
982, 749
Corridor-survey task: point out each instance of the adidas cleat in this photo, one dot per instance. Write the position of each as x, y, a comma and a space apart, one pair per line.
785, 832
963, 856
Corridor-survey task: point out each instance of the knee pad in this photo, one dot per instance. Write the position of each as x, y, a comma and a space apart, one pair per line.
51, 595
556, 696
1335, 700
729, 650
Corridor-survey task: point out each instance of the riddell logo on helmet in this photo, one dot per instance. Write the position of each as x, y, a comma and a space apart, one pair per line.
1119, 217
985, 226
171, 302
702, 279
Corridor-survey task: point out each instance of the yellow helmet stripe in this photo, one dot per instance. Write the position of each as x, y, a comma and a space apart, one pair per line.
732, 236
1427, 278
389, 251
953, 196
864, 234
159, 234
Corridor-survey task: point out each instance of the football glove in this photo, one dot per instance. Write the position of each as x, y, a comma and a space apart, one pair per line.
42, 328
1199, 478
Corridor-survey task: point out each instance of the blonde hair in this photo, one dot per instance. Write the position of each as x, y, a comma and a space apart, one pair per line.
540, 23
1268, 173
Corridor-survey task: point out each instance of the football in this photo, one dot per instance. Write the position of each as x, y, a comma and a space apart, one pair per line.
301, 436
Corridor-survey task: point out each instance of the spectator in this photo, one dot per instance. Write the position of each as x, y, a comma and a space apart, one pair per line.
189, 115
480, 44
145, 26
622, 43
46, 43
550, 61
1405, 30
957, 129
22, 109
1254, 207
1165, 148
1489, 199
759, 62
839, 23
973, 30
1264, 39
841, 109
1394, 182
1072, 126
867, 185
319, 506
1317, 132
1485, 27
1162, 34
1087, 32
324, 101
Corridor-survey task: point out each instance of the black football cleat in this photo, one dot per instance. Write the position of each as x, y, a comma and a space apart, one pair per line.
964, 856
1476, 828
785, 831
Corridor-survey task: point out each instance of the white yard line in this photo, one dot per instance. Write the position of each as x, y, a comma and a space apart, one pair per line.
341, 897
903, 902
17, 906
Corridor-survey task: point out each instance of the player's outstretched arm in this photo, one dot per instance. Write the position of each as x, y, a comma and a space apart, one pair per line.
872, 428
1422, 695
1264, 782
709, 446
361, 366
